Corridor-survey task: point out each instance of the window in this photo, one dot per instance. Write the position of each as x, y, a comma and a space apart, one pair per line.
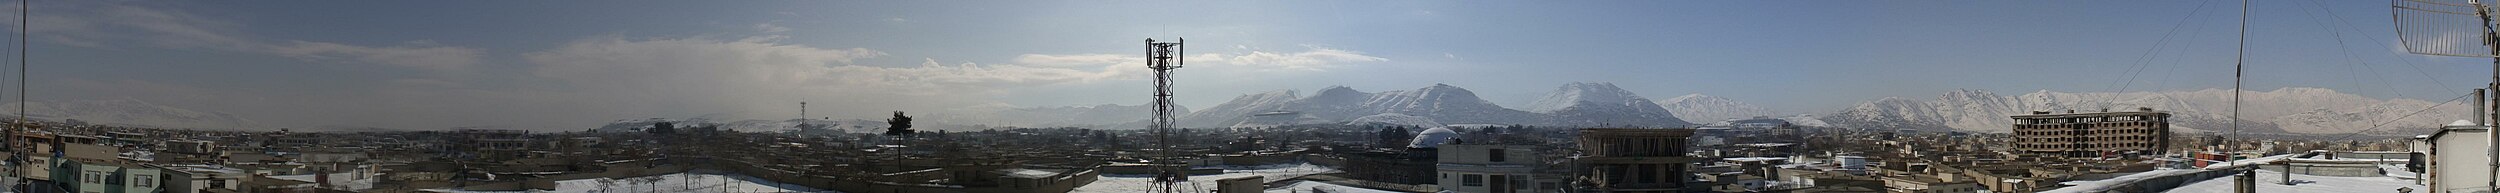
1493, 155
1471, 180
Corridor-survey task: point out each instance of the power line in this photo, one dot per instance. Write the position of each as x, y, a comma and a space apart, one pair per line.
2354, 61
2339, 19
2417, 112
2144, 61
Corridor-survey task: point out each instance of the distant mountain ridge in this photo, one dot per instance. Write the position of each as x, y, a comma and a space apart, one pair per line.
129, 112
1706, 108
1578, 104
2285, 110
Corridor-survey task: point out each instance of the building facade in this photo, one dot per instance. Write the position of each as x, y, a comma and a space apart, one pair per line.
1488, 168
493, 144
2460, 159
1636, 160
2097, 134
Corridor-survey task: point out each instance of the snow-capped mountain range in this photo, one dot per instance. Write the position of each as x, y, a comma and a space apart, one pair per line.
129, 112
1580, 104
1706, 108
2286, 110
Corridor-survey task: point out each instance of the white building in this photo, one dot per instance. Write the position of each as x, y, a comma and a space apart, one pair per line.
1487, 168
2460, 159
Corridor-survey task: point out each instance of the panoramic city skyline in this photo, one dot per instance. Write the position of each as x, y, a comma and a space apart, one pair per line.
435, 65
1060, 96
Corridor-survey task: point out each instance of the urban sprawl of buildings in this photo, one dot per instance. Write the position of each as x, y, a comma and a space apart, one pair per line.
2104, 151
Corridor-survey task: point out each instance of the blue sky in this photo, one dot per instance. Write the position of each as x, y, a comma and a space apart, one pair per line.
550, 64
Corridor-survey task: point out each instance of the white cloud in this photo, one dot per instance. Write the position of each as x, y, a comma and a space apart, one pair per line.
770, 28
1078, 59
759, 74
1315, 59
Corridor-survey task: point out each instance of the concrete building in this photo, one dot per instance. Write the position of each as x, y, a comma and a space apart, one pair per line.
1247, 184
2460, 158
1636, 160
1488, 168
108, 177
493, 144
202, 178
1929, 184
191, 147
1413, 163
2142, 132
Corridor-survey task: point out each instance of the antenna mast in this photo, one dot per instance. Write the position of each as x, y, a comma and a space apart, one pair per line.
2238, 67
1159, 57
20, 124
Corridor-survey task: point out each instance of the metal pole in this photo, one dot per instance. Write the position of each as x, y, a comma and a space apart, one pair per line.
2238, 67
2491, 135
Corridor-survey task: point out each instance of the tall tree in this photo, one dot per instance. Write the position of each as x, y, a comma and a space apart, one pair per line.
900, 125
663, 128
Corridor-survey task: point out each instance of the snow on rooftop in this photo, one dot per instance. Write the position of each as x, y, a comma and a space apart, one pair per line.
2272, 182
1133, 183
1030, 173
2105, 185
2250, 161
699, 181
350, 181
1753, 159
1311, 186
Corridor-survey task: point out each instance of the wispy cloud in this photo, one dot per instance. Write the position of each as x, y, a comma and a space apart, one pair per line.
744, 75
415, 56
770, 28
104, 25
1315, 59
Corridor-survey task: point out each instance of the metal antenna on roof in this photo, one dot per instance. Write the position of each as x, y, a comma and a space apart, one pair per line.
1159, 56
2426, 27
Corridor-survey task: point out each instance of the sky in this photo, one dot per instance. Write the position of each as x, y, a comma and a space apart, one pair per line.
576, 64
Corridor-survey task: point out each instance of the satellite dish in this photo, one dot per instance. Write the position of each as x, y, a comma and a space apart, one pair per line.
2443, 27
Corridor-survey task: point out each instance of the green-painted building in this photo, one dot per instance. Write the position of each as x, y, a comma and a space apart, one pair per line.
108, 177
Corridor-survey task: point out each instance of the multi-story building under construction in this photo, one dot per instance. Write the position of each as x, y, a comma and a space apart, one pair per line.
2092, 134
1636, 160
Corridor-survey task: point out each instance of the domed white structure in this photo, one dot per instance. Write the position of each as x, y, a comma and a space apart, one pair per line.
1432, 138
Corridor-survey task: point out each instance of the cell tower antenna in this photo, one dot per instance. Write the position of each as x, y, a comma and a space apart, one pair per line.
1168, 174
2432, 27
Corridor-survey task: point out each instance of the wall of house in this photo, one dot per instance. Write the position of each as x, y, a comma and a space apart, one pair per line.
2460, 160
